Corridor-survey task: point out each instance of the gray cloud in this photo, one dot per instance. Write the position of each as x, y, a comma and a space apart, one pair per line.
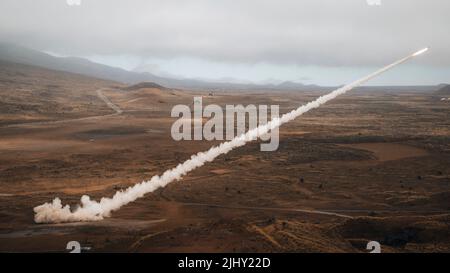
318, 32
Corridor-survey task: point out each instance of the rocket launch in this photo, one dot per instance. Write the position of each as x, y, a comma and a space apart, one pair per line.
91, 210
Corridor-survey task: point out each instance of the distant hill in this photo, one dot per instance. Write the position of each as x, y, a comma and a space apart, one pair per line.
444, 90
23, 55
143, 85
31, 93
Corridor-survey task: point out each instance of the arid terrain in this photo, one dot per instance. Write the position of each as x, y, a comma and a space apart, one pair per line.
368, 166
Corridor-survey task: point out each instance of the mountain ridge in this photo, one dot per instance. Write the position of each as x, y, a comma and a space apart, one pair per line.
23, 55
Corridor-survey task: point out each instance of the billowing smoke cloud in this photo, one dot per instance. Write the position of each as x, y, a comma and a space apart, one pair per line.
90, 210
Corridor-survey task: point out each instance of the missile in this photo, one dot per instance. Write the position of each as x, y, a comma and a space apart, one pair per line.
420, 52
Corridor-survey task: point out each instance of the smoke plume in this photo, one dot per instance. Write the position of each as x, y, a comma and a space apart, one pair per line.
91, 210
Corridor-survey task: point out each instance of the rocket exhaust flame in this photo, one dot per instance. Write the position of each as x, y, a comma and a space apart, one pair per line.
420, 52
90, 210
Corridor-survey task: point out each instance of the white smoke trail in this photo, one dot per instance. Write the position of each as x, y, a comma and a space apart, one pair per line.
90, 210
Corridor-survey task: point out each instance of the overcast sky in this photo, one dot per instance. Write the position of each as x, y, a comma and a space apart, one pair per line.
325, 42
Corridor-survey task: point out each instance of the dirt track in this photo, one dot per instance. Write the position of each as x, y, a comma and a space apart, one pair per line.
100, 94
